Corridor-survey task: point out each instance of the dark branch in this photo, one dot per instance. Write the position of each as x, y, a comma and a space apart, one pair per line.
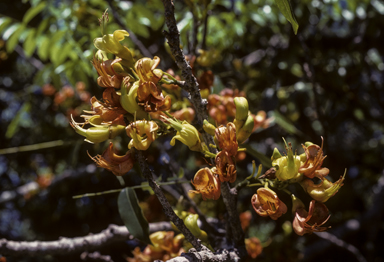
64, 245
168, 211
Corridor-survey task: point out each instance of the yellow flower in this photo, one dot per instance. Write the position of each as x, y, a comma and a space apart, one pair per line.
143, 133
288, 166
186, 133
110, 43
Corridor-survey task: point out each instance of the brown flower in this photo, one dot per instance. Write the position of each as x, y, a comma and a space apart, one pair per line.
107, 77
312, 221
118, 165
207, 184
226, 137
312, 166
149, 96
206, 80
253, 246
225, 167
187, 114
105, 112
267, 203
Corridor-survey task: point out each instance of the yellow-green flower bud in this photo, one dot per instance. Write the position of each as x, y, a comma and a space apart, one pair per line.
191, 223
241, 104
209, 128
245, 131
276, 154
143, 133
128, 99
288, 166
186, 133
323, 191
97, 134
110, 43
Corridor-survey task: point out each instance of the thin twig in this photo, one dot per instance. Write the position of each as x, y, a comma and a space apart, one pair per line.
341, 243
148, 174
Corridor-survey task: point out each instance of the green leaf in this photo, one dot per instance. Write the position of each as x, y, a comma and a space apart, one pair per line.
286, 9
14, 39
30, 43
285, 123
15, 123
32, 12
43, 50
56, 37
43, 25
4, 22
132, 215
264, 160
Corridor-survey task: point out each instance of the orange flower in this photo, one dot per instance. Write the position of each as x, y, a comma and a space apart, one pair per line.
267, 203
146, 69
187, 114
226, 137
253, 246
207, 184
105, 112
312, 221
149, 96
245, 219
312, 166
107, 77
225, 167
118, 165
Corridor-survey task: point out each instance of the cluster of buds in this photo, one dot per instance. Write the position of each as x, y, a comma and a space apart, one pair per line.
301, 169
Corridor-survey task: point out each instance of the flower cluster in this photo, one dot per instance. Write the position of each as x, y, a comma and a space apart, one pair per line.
302, 169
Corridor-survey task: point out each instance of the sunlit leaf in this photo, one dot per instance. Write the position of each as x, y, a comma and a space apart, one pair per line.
286, 9
4, 22
32, 12
14, 39
132, 215
30, 43
43, 50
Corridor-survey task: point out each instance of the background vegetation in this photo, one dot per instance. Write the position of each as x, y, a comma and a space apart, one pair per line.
326, 81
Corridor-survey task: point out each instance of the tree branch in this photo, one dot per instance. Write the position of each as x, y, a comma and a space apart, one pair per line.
207, 256
64, 245
191, 84
148, 174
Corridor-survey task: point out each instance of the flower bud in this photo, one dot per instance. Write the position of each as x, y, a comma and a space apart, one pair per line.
186, 133
97, 134
296, 203
245, 131
276, 154
323, 191
288, 166
191, 223
242, 113
209, 128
